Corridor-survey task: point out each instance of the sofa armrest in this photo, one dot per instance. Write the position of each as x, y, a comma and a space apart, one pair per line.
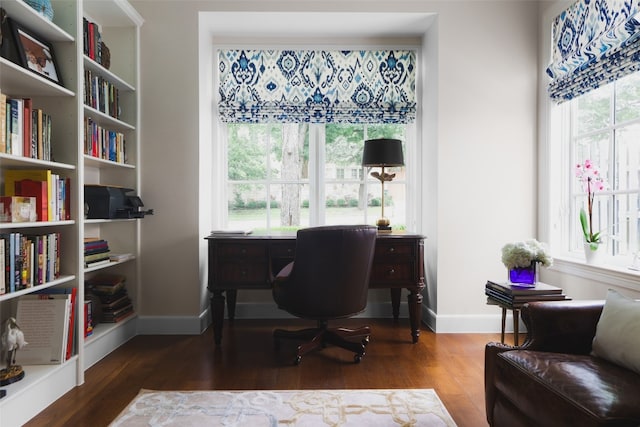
561, 326
491, 351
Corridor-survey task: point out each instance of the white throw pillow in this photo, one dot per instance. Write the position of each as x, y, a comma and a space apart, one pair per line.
618, 332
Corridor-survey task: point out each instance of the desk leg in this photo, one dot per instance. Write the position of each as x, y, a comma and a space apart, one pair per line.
232, 294
415, 312
504, 323
516, 322
217, 315
395, 302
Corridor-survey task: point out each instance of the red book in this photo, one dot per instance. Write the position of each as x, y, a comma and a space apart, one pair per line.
92, 50
37, 189
26, 134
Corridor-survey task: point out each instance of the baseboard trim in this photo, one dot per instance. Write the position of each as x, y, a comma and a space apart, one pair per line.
172, 325
455, 323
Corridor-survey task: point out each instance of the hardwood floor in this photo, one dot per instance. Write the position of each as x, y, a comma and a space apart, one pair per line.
452, 364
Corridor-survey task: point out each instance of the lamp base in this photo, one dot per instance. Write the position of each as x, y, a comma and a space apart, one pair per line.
383, 225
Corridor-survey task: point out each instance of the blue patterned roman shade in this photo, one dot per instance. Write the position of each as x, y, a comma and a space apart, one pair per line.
595, 42
317, 86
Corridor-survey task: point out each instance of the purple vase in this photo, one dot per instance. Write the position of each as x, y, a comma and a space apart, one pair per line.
523, 276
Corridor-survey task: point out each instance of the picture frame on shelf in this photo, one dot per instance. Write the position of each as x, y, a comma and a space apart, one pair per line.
35, 54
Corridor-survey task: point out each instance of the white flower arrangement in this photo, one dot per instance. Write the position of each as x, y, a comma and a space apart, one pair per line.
523, 254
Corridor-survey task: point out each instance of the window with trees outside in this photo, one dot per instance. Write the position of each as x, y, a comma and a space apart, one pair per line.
604, 127
293, 125
288, 176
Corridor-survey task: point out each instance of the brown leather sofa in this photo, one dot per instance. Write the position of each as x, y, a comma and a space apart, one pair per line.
552, 380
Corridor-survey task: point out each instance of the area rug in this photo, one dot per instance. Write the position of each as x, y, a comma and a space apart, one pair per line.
308, 408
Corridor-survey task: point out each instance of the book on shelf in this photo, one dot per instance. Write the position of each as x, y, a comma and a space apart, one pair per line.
25, 130
3, 122
231, 232
120, 257
512, 289
106, 283
88, 318
26, 127
45, 324
37, 189
103, 143
96, 252
110, 290
29, 260
3, 288
96, 256
58, 196
97, 263
63, 293
114, 316
93, 243
16, 110
101, 94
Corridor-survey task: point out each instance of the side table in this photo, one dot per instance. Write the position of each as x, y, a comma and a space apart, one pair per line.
516, 317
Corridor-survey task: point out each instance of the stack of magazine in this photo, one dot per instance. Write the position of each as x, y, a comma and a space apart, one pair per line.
514, 295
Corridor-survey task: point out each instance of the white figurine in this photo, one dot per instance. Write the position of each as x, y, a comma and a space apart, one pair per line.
12, 340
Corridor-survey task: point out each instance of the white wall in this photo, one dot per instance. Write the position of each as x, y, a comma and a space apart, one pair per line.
479, 160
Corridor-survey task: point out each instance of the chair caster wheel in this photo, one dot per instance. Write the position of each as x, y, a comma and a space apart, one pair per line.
297, 360
358, 358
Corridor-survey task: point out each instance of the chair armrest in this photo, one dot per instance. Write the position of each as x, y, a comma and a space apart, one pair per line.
561, 326
284, 273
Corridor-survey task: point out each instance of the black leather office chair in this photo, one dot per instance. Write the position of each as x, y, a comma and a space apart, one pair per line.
328, 279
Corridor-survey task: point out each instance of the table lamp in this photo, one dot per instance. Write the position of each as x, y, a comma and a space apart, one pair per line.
382, 153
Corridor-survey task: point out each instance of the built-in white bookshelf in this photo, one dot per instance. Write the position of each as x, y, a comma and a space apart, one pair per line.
119, 25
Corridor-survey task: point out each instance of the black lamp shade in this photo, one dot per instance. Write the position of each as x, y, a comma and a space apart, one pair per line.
382, 152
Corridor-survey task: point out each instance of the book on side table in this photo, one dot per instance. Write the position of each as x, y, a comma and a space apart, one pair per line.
510, 294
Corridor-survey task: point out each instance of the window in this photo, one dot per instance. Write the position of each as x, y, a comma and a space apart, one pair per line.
293, 125
288, 176
604, 126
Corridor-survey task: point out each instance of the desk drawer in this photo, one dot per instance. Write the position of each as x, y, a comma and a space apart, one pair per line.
240, 250
229, 274
397, 273
391, 248
283, 250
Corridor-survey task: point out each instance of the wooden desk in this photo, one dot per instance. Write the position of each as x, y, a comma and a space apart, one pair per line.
249, 262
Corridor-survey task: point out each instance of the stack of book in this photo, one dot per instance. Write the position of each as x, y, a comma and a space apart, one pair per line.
115, 303
513, 295
96, 252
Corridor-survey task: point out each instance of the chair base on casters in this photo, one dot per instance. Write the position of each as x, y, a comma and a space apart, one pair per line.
321, 336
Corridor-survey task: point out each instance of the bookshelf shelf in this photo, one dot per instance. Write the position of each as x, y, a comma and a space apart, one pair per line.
119, 25
103, 329
106, 120
104, 266
104, 163
108, 221
92, 65
39, 224
59, 281
28, 17
11, 160
38, 380
20, 82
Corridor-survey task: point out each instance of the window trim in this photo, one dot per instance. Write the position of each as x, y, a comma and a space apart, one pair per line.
554, 200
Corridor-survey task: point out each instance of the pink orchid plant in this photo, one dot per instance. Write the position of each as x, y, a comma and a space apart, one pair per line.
591, 180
